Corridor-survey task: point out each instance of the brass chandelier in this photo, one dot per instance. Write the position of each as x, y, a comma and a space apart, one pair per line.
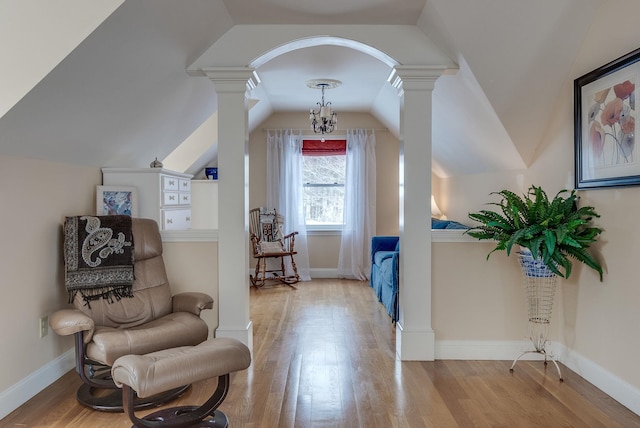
324, 120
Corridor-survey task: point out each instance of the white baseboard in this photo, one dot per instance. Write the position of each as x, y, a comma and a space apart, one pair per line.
481, 350
315, 272
323, 272
25, 389
617, 388
609, 383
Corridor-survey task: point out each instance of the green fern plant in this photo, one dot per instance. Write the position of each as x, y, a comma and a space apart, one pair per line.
555, 230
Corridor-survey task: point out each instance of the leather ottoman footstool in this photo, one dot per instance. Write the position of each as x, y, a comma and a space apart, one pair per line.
149, 374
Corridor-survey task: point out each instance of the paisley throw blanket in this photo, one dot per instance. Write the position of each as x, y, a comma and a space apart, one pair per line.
98, 257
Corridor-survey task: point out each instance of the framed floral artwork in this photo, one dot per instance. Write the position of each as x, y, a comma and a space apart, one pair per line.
114, 200
605, 125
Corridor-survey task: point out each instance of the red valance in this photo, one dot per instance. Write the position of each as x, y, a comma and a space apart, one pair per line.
326, 148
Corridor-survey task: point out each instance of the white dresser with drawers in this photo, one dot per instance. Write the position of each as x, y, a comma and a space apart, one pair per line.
162, 194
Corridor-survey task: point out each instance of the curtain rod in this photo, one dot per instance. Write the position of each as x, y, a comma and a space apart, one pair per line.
310, 132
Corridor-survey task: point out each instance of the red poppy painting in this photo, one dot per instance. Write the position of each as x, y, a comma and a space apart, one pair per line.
612, 126
605, 125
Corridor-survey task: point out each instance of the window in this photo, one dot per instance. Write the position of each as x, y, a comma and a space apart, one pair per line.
323, 176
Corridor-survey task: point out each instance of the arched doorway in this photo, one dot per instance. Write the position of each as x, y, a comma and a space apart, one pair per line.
414, 84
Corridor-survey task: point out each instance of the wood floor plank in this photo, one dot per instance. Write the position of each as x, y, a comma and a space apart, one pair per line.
324, 356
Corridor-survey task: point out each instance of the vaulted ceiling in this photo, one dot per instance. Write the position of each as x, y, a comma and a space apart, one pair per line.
112, 89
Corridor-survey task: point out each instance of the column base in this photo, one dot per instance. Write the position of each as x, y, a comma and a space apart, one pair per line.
244, 335
415, 345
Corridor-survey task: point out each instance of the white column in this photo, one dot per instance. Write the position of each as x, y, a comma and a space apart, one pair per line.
415, 339
231, 85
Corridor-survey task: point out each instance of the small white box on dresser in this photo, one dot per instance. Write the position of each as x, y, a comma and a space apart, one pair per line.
163, 195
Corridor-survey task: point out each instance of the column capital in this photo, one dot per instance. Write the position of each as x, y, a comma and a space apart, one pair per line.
232, 79
415, 77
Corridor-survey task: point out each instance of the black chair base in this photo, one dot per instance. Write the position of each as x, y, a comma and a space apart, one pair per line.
166, 416
110, 400
206, 415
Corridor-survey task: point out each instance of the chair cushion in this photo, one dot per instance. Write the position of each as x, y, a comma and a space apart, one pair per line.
456, 225
146, 239
147, 304
171, 368
380, 256
169, 331
446, 224
152, 295
386, 271
438, 224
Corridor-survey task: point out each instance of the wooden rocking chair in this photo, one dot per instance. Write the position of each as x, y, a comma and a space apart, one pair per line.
269, 242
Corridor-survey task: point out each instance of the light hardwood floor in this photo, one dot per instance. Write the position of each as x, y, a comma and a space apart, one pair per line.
324, 357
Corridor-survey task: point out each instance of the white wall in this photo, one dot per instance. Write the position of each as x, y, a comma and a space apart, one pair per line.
597, 322
193, 266
42, 34
475, 300
36, 195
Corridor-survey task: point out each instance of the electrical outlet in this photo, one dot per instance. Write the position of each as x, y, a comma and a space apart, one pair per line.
43, 327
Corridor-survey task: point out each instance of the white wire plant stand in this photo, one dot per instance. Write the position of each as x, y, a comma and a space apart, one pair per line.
540, 287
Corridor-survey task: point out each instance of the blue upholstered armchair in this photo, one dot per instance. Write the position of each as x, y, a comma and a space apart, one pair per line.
384, 272
385, 252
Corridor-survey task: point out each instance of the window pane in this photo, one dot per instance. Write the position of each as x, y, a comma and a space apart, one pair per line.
323, 205
323, 169
323, 189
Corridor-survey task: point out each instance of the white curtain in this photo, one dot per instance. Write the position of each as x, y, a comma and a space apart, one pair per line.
285, 191
359, 205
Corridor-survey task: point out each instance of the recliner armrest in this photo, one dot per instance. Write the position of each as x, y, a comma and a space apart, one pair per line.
193, 302
70, 321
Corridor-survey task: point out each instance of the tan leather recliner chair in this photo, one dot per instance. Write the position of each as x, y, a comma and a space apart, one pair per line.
150, 321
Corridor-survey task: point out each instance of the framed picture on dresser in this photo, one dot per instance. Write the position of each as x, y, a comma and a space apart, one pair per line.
115, 200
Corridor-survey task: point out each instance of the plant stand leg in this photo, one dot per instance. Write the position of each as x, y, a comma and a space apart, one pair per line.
546, 357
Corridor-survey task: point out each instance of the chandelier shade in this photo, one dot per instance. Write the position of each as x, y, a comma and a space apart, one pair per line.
323, 120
